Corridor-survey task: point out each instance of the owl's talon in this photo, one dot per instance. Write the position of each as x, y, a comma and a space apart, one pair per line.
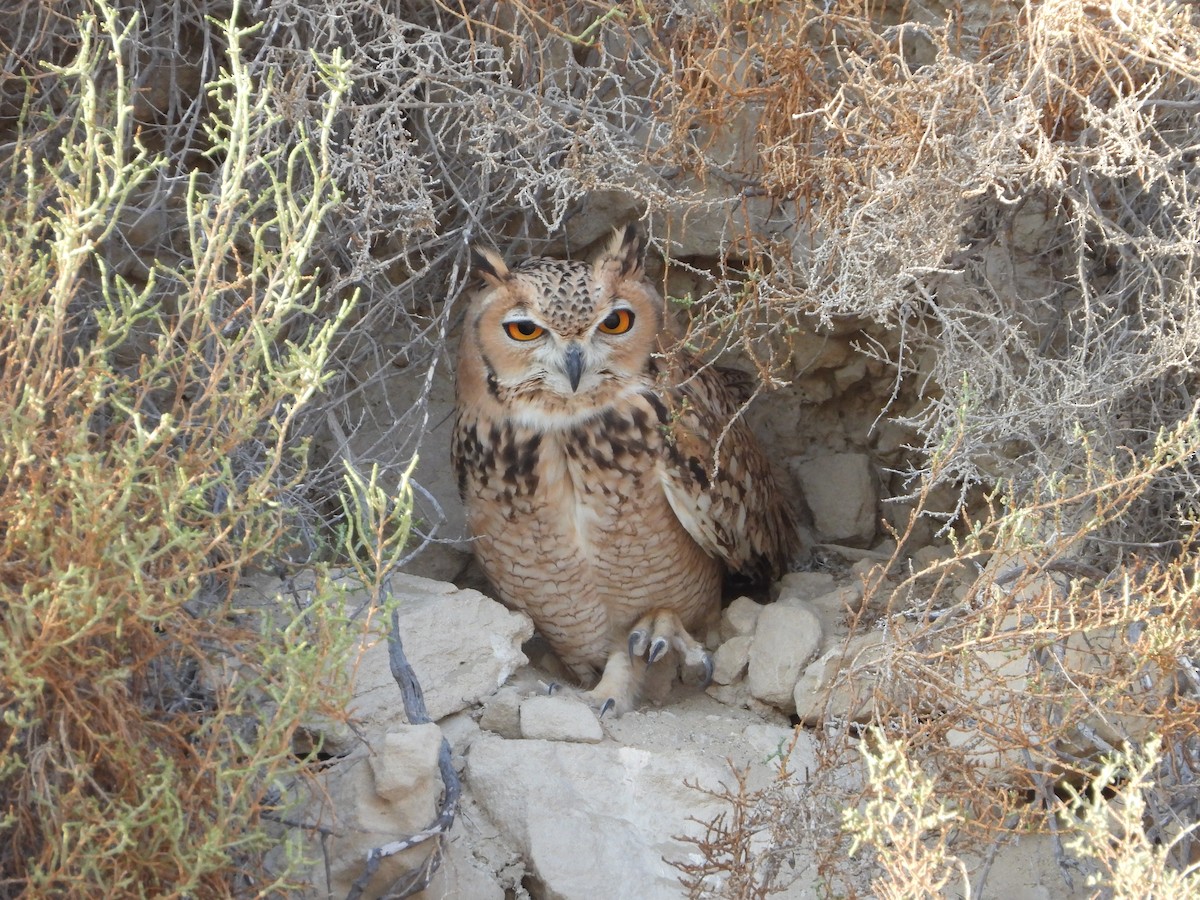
550, 687
707, 662
606, 706
637, 643
657, 649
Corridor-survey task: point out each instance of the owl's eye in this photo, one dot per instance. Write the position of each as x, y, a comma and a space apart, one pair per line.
618, 321
523, 330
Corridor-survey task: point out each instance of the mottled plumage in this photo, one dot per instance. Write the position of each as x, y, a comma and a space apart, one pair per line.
587, 458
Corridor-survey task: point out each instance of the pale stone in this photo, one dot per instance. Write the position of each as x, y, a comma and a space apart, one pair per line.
812, 352
605, 820
459, 730
461, 875
559, 718
839, 683
786, 638
803, 585
841, 493
457, 666
833, 608
740, 617
502, 713
732, 658
851, 373
405, 760
360, 818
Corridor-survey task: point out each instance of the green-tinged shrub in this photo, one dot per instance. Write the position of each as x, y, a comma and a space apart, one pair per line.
1109, 827
146, 458
905, 822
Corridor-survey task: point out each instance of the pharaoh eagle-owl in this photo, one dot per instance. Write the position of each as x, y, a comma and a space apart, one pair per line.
609, 483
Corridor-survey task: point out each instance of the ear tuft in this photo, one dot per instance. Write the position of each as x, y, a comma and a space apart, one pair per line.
628, 248
489, 265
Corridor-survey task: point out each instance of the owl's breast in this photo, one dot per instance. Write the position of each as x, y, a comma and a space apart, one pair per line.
582, 512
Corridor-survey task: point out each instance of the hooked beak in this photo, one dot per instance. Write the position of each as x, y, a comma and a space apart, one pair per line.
573, 364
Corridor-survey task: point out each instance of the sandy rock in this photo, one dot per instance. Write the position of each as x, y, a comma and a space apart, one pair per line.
850, 374
560, 718
826, 690
502, 713
382, 794
461, 875
815, 389
592, 821
459, 730
841, 492
461, 644
740, 617
601, 821
405, 761
802, 586
737, 696
786, 638
813, 351
731, 659
833, 608
596, 214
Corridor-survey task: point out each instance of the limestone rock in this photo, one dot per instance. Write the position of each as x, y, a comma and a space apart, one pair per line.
461, 645
833, 608
591, 820
560, 718
502, 713
732, 658
802, 586
603, 820
838, 684
739, 617
383, 793
405, 760
842, 495
786, 638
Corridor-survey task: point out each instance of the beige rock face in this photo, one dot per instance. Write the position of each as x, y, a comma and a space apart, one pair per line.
786, 638
605, 820
386, 784
560, 718
841, 493
458, 665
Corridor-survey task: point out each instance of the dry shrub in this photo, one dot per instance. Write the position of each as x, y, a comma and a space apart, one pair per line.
1042, 695
146, 459
999, 699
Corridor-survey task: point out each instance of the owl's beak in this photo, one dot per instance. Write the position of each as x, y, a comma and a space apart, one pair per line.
573, 364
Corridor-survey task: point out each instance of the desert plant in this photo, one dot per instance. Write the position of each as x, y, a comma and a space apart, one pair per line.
1108, 827
146, 458
906, 824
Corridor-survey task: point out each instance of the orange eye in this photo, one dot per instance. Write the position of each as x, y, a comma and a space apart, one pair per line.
524, 330
618, 321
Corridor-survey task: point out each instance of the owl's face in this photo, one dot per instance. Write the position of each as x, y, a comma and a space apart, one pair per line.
556, 342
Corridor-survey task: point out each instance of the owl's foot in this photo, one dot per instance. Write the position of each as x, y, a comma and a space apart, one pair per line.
619, 686
661, 630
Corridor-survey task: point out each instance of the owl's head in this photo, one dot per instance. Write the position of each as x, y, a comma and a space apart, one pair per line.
557, 341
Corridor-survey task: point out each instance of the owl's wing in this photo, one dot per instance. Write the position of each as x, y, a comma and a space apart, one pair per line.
716, 477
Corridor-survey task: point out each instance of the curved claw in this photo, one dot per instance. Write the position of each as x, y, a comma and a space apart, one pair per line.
657, 649
707, 662
637, 644
606, 706
551, 688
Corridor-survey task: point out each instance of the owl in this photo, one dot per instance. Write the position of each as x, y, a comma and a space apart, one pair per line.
609, 481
